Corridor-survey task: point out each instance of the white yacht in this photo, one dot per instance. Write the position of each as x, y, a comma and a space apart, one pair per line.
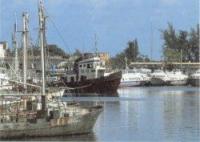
146, 74
177, 78
131, 78
194, 78
159, 77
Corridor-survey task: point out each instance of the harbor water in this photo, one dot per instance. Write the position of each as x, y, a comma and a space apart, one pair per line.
145, 114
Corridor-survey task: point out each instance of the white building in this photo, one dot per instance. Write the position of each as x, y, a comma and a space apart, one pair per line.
3, 47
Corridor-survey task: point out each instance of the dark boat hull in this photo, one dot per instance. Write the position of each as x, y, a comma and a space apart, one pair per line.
194, 82
107, 85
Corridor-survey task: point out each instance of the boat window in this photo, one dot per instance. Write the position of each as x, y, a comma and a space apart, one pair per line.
80, 66
84, 65
88, 66
92, 70
72, 79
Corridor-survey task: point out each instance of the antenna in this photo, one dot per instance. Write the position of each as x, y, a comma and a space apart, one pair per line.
95, 44
15, 26
15, 46
151, 43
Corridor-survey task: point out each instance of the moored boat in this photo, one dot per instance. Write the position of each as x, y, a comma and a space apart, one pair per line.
35, 115
177, 78
89, 76
131, 78
194, 78
159, 77
54, 121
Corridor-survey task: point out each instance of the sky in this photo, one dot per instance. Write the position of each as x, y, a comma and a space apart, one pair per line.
73, 24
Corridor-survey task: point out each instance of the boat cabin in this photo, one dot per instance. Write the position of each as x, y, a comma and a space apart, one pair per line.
90, 68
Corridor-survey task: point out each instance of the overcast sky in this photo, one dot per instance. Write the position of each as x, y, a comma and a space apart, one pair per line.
115, 22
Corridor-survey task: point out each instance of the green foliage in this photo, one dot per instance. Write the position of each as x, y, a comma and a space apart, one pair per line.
54, 50
131, 53
182, 45
172, 55
118, 61
51, 50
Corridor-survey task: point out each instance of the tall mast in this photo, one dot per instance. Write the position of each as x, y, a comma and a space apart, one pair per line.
95, 44
151, 43
15, 46
25, 46
42, 42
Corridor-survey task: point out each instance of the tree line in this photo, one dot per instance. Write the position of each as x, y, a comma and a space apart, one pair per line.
131, 54
51, 50
181, 45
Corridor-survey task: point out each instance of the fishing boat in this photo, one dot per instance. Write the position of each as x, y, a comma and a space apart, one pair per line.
37, 116
88, 75
53, 120
194, 79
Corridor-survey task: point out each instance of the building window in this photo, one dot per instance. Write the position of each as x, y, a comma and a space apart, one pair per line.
88, 66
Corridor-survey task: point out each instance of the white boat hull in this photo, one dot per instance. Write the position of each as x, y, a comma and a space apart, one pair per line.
131, 83
178, 82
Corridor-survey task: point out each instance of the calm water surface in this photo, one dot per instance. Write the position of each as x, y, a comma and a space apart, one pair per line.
151, 114
147, 114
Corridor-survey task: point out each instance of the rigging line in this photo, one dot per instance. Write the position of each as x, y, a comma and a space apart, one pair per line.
59, 33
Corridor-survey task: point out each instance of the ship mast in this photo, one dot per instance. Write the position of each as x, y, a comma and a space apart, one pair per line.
42, 44
25, 46
15, 46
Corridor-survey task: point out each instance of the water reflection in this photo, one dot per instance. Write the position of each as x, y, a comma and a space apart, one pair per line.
155, 114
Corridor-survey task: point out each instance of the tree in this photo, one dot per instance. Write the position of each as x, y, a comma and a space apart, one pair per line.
118, 61
194, 44
182, 45
131, 52
77, 53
